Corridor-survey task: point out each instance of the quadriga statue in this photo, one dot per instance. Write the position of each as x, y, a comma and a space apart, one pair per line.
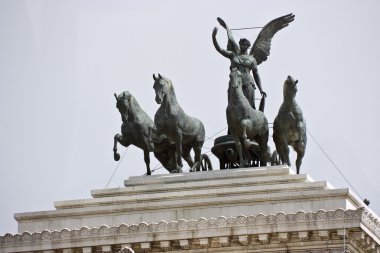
289, 127
244, 122
136, 127
170, 120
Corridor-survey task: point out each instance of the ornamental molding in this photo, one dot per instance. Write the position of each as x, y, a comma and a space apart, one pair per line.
371, 221
202, 228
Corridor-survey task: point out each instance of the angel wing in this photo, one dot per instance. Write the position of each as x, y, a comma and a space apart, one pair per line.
231, 45
261, 48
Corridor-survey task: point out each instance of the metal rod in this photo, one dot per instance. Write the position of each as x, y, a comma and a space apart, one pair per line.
246, 28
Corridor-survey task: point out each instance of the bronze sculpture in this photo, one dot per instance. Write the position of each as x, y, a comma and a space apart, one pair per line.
170, 120
244, 122
247, 62
289, 127
136, 127
173, 133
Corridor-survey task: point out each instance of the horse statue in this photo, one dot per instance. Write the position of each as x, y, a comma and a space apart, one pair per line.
244, 122
170, 120
289, 127
135, 129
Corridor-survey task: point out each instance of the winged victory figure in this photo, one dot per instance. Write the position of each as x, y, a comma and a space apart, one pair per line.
246, 62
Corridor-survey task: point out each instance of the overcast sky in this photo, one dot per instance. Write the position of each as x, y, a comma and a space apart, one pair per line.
61, 62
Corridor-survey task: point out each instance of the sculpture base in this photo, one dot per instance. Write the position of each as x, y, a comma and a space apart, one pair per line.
266, 209
193, 195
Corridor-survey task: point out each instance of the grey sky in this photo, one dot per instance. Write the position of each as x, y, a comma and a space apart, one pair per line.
61, 62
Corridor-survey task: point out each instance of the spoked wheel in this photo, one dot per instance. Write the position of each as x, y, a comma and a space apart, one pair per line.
203, 165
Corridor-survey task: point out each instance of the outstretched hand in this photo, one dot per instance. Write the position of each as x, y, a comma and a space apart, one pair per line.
222, 23
214, 31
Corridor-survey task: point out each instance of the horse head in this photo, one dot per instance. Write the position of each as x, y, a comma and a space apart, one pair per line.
163, 87
290, 87
235, 79
125, 103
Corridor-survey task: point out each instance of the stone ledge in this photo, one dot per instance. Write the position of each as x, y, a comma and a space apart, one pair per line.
201, 228
189, 186
207, 175
194, 194
123, 207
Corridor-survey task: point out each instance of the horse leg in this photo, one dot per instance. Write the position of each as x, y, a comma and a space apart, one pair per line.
186, 155
246, 144
300, 149
239, 150
197, 158
178, 143
147, 162
263, 144
117, 138
300, 146
282, 149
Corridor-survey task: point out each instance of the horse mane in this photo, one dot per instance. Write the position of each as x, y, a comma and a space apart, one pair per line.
133, 107
169, 83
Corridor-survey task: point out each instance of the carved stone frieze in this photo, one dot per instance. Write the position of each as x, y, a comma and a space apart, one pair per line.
371, 221
261, 226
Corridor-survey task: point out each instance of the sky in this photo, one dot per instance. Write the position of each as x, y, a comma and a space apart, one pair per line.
62, 61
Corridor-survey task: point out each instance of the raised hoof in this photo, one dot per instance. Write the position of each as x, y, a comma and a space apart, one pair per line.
116, 156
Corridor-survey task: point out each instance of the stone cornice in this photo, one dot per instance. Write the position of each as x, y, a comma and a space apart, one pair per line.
192, 229
371, 224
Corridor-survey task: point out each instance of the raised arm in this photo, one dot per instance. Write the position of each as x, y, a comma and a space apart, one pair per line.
225, 53
231, 45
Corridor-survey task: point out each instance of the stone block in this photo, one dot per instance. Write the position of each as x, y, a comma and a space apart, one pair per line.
106, 248
185, 244
224, 241
324, 234
87, 250
264, 238
343, 233
165, 245
243, 239
283, 237
145, 245
203, 242
303, 235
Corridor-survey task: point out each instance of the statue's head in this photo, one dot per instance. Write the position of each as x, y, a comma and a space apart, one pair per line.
290, 87
162, 86
244, 44
123, 104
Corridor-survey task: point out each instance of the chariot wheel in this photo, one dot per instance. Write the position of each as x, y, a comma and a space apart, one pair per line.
205, 163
